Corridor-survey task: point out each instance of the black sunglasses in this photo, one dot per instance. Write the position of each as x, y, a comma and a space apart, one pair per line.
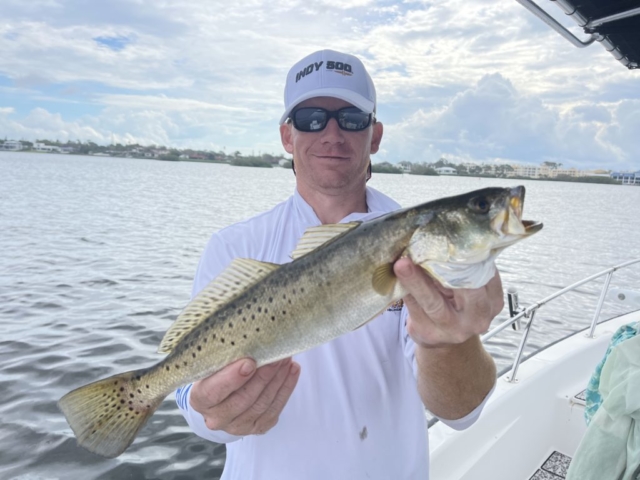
315, 119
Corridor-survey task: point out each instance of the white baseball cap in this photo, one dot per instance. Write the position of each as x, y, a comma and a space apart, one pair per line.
328, 73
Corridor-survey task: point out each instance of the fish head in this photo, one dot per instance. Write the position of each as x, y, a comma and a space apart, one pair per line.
473, 227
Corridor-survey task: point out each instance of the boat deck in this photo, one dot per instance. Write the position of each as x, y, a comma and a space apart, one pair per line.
554, 468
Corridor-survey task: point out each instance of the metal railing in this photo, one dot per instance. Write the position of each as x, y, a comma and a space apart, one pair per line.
529, 313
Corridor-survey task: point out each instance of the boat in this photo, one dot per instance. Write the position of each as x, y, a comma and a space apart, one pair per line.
533, 422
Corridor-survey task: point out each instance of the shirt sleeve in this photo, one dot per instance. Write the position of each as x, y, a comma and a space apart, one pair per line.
196, 421
409, 348
215, 258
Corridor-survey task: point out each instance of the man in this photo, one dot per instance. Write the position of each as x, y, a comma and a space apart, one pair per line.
352, 408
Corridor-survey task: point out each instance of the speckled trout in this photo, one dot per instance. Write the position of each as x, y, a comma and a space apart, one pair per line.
341, 277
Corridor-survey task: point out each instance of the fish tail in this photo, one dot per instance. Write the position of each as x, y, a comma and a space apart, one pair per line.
106, 415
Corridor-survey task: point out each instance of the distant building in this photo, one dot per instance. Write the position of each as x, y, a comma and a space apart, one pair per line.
525, 171
11, 145
627, 178
446, 171
41, 147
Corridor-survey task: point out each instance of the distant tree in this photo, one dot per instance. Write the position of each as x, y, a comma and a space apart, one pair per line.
385, 167
422, 169
551, 165
443, 162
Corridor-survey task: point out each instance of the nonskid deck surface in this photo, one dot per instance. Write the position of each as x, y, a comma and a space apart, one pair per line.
554, 468
556, 465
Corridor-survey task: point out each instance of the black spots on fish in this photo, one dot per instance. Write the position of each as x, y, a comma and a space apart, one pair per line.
266, 310
284, 297
244, 319
253, 317
222, 340
146, 386
239, 311
259, 309
131, 395
301, 290
193, 355
233, 343
293, 291
121, 389
270, 299
230, 324
244, 336
258, 329
213, 336
199, 347
197, 315
204, 339
139, 391
167, 368
121, 401
289, 301
273, 318
177, 366
284, 312
255, 300
248, 306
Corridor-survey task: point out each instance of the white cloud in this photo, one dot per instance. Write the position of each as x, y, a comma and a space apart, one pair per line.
493, 120
471, 80
6, 110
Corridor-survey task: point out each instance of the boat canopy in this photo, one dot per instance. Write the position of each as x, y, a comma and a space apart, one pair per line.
613, 23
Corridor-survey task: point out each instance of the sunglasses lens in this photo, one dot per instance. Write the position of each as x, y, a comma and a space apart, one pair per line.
309, 119
353, 119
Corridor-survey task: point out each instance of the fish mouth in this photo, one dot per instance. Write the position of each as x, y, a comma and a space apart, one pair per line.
509, 221
531, 226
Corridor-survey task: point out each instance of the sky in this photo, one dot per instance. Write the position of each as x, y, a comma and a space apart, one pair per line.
467, 80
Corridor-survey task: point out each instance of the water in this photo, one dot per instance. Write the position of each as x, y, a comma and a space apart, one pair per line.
98, 254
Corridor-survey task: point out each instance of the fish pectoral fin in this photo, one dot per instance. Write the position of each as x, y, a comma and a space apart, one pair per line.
237, 277
384, 280
315, 237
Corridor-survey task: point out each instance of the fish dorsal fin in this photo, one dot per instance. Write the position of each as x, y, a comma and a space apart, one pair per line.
238, 276
384, 280
314, 237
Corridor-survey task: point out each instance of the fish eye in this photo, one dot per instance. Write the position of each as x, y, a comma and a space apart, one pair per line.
481, 205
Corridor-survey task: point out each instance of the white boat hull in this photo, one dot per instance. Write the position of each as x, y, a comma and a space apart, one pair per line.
524, 422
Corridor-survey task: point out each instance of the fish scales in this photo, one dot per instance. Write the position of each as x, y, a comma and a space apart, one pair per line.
297, 307
283, 310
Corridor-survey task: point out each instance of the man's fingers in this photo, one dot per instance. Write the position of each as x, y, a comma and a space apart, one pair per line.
217, 387
420, 286
243, 398
264, 413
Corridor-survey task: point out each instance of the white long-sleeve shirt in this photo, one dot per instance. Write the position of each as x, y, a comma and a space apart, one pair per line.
356, 412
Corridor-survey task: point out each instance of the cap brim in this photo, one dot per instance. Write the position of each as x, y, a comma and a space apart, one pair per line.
350, 96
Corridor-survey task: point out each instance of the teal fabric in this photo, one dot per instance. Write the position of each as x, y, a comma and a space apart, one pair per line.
592, 394
610, 448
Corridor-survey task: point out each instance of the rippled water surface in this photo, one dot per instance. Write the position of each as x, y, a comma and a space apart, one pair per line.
97, 257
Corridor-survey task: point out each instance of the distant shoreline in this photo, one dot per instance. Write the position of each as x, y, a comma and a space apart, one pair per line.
593, 180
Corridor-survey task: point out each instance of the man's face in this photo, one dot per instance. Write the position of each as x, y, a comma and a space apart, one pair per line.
332, 160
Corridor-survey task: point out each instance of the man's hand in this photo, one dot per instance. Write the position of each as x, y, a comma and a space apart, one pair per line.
440, 316
455, 378
242, 400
